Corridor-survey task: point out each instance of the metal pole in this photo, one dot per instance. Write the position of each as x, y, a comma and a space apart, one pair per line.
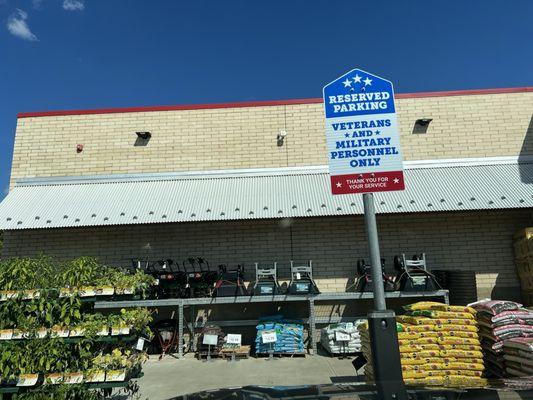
382, 322
373, 246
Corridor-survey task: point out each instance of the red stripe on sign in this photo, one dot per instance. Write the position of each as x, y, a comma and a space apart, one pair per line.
367, 182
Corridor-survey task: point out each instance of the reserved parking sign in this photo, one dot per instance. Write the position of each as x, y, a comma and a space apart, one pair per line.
362, 134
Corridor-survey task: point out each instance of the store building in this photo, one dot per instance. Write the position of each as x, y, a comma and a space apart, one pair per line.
217, 181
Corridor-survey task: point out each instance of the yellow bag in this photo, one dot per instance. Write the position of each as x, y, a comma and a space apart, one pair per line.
454, 321
414, 374
460, 334
461, 354
429, 360
465, 381
442, 314
446, 307
455, 340
407, 319
418, 341
470, 347
465, 366
408, 335
426, 354
427, 381
418, 347
419, 328
468, 328
422, 305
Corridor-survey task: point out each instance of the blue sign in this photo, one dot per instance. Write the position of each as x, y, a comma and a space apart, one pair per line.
362, 134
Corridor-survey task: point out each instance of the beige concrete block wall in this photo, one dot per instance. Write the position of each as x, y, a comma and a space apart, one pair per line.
474, 241
229, 138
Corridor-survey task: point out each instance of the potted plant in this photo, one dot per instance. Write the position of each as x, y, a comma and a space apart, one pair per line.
105, 290
27, 380
59, 331
73, 378
94, 375
6, 334
54, 378
118, 325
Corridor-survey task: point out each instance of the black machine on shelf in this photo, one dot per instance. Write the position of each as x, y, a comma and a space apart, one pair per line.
363, 281
200, 278
171, 281
230, 282
302, 280
413, 275
266, 280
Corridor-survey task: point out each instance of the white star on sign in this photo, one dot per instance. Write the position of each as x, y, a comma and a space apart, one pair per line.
357, 78
347, 83
339, 184
396, 180
367, 81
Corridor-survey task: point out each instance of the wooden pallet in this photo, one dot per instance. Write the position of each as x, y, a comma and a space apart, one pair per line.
203, 355
240, 352
289, 355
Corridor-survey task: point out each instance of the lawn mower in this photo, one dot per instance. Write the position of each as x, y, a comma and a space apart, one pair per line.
266, 281
302, 280
363, 280
172, 281
413, 275
167, 335
200, 278
230, 282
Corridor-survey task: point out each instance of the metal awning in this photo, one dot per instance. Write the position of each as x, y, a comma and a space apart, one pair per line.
444, 185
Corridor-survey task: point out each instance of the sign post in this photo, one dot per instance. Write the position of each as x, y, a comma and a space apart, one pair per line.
364, 157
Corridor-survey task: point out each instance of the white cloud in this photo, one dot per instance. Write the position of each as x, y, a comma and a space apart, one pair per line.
73, 5
17, 26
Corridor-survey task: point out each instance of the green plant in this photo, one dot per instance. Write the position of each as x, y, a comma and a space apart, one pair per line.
139, 319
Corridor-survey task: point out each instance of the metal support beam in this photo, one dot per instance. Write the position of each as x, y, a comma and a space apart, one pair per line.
180, 330
312, 326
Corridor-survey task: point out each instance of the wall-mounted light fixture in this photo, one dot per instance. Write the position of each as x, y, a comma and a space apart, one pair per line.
143, 135
281, 137
421, 125
423, 121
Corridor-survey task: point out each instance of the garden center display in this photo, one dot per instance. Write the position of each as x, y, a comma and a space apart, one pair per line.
302, 279
266, 280
413, 275
503, 326
50, 334
342, 338
363, 280
439, 346
277, 335
230, 282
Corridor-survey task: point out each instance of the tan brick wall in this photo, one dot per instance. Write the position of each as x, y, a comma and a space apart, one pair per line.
479, 242
463, 126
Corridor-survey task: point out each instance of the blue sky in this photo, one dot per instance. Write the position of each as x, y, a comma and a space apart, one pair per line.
68, 54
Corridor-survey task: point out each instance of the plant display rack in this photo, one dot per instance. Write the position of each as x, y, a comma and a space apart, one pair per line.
51, 337
311, 300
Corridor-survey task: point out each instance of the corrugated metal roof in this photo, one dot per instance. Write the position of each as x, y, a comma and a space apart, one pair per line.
257, 194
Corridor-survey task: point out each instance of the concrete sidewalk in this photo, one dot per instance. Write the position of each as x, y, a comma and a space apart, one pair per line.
170, 377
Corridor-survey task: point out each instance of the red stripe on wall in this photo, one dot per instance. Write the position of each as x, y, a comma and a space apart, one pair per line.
260, 103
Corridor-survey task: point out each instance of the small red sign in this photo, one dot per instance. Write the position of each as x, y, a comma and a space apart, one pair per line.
367, 182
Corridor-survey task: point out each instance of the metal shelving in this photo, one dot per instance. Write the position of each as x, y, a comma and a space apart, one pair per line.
311, 300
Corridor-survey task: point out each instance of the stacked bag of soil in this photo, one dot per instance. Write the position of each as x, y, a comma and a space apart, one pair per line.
439, 346
289, 336
342, 338
500, 321
518, 355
